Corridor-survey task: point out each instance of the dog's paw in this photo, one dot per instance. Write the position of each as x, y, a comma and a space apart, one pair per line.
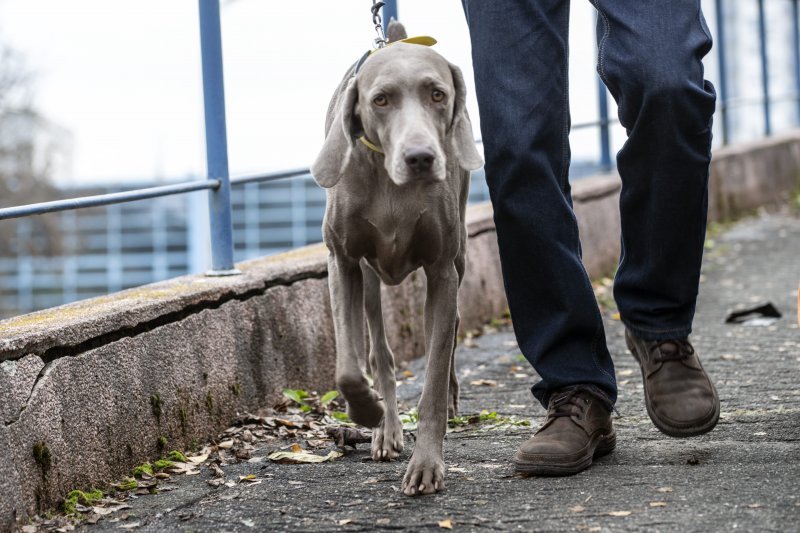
366, 409
387, 439
424, 475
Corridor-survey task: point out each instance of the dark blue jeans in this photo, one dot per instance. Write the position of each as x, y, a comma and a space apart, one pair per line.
650, 54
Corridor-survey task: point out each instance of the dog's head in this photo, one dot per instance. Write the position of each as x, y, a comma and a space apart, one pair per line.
408, 101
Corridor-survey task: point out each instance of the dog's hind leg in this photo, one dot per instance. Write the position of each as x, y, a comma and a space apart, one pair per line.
452, 398
346, 286
387, 438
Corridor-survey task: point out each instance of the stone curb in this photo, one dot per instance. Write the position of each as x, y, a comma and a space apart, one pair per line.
89, 389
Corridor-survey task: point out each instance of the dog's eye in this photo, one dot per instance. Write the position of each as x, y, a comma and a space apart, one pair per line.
437, 95
380, 100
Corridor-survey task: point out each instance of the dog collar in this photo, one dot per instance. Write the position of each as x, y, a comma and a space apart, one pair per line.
424, 40
366, 142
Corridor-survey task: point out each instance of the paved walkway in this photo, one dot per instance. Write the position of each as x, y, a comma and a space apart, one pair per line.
744, 475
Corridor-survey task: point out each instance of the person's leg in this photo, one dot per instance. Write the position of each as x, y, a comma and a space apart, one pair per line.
650, 54
519, 52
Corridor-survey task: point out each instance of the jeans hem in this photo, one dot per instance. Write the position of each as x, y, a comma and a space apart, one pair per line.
650, 334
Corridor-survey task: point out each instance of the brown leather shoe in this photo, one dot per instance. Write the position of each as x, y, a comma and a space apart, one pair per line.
680, 398
578, 429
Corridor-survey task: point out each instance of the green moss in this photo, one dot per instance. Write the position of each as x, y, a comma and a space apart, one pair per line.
183, 416
42, 456
209, 403
127, 483
175, 455
145, 468
84, 498
155, 405
161, 464
161, 443
236, 389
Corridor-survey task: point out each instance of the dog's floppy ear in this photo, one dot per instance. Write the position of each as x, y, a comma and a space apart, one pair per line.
460, 132
333, 158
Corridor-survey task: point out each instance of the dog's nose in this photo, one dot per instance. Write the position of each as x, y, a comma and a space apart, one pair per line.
419, 159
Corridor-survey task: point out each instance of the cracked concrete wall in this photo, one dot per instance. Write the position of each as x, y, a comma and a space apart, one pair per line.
87, 389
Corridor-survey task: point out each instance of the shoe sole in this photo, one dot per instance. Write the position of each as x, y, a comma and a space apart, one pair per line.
673, 431
605, 444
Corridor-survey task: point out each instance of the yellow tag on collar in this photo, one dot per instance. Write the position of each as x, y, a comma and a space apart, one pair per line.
424, 40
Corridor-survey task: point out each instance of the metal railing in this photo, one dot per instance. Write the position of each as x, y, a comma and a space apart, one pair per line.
218, 182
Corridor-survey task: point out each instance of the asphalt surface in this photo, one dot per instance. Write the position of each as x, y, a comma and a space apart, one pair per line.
744, 475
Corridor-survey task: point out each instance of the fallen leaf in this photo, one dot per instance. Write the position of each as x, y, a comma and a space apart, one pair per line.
407, 373
664, 489
619, 513
130, 525
658, 504
615, 316
226, 444
215, 482
382, 522
304, 457
577, 509
446, 524
454, 469
197, 459
755, 505
625, 372
248, 523
293, 482
248, 477
296, 448
484, 382
108, 510
343, 522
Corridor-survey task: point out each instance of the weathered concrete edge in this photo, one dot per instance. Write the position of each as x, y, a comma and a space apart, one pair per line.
236, 341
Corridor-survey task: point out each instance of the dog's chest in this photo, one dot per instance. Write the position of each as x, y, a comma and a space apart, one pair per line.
396, 239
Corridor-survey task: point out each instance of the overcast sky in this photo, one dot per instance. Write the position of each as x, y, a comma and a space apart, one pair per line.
123, 77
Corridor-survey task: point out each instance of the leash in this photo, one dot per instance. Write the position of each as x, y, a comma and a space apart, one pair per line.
380, 41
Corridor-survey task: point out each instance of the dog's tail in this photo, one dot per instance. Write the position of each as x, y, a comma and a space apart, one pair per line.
395, 31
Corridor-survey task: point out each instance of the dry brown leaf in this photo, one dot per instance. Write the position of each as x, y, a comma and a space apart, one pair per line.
216, 482
407, 373
664, 489
303, 457
619, 513
577, 509
296, 448
343, 522
446, 524
658, 504
484, 382
755, 505
197, 459
226, 444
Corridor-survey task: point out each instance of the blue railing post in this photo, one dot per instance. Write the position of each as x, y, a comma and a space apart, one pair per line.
796, 54
389, 12
605, 136
762, 46
722, 84
216, 139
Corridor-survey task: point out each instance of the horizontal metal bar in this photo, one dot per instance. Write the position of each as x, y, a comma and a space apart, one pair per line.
741, 102
270, 176
106, 199
594, 124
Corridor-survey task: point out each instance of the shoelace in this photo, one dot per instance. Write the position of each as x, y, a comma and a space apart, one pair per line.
677, 350
564, 405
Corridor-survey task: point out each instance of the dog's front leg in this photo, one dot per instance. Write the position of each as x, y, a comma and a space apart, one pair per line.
346, 286
425, 472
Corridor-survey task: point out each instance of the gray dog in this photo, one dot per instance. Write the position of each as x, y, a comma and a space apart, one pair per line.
396, 202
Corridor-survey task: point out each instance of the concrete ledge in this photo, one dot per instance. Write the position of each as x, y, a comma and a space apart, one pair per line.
88, 389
